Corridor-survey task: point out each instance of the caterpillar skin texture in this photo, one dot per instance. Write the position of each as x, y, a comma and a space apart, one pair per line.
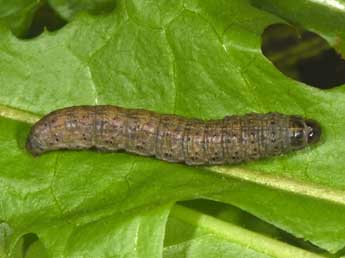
172, 138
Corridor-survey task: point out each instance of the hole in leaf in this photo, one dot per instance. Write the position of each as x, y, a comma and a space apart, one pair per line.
303, 55
45, 18
29, 245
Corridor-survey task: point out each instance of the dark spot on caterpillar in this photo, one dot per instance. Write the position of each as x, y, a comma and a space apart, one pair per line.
167, 143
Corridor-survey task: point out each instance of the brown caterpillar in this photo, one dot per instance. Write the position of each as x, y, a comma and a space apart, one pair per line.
173, 138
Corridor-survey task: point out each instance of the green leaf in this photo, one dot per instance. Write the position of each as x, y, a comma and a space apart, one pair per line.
137, 233
5, 233
316, 15
36, 250
206, 237
193, 58
69, 8
18, 14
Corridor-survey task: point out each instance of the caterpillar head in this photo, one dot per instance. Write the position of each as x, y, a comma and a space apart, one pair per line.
303, 132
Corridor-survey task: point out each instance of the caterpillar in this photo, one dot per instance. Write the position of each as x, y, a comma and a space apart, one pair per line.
172, 138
